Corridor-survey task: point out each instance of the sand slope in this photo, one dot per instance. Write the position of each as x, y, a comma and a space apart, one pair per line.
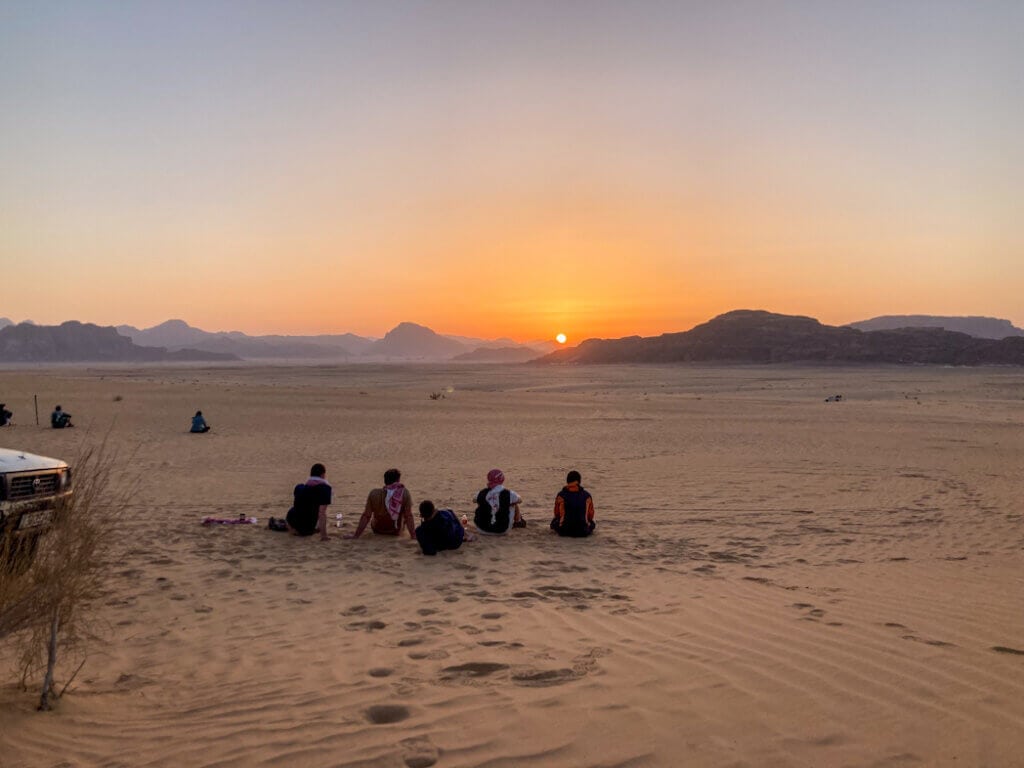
777, 581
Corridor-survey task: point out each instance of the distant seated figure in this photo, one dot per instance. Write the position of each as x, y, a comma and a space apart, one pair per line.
497, 507
199, 424
388, 509
60, 419
574, 509
440, 529
309, 513
5, 415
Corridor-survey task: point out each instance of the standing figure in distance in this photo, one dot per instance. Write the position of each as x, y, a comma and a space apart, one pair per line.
60, 419
574, 509
199, 424
388, 509
497, 507
309, 514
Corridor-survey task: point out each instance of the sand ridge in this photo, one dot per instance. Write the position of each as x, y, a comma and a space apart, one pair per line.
777, 581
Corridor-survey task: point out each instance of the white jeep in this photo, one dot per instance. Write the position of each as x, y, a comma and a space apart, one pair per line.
32, 489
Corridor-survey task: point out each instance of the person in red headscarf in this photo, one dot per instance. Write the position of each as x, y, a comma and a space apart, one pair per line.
497, 507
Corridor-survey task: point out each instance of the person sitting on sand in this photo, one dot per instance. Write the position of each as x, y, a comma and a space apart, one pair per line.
388, 509
60, 419
497, 507
440, 529
199, 424
309, 514
574, 509
5, 415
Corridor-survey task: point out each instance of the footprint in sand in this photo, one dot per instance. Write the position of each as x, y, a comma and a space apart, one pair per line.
369, 626
419, 752
1007, 649
383, 714
472, 669
543, 677
380, 672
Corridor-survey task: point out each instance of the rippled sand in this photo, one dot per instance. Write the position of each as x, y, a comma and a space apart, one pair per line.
777, 581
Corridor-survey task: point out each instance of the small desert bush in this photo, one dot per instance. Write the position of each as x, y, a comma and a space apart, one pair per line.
47, 601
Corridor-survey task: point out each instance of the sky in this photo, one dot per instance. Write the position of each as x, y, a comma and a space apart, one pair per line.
512, 169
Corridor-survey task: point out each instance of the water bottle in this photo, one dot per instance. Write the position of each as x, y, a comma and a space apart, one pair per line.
465, 521
337, 520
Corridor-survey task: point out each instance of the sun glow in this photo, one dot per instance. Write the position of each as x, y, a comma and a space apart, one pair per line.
560, 338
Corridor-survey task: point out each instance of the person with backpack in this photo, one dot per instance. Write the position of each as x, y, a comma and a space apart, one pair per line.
497, 507
439, 529
60, 419
574, 509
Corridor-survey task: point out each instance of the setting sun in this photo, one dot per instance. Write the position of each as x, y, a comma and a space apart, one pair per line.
560, 338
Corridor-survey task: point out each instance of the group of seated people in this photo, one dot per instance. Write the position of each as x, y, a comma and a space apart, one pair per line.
388, 511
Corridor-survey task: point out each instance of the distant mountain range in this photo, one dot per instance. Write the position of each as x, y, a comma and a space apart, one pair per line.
754, 336
981, 327
177, 340
742, 336
84, 342
406, 341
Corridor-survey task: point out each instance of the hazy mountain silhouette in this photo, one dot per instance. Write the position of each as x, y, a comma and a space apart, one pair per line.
177, 334
981, 327
84, 342
498, 355
4, 322
754, 336
407, 341
414, 342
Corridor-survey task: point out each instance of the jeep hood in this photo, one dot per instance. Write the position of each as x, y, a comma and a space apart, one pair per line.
20, 461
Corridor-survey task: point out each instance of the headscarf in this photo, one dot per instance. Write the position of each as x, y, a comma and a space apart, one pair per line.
495, 477
393, 495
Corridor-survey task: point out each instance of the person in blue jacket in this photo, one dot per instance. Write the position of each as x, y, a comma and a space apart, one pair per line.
199, 424
439, 529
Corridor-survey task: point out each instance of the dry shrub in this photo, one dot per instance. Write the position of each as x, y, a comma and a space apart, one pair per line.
46, 602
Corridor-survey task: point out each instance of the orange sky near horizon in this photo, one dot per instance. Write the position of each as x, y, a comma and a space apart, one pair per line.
508, 171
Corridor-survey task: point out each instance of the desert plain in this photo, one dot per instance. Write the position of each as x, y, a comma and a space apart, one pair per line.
775, 581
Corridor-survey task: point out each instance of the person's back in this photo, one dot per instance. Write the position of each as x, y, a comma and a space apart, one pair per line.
497, 507
60, 419
574, 509
311, 498
199, 424
5, 415
388, 509
439, 531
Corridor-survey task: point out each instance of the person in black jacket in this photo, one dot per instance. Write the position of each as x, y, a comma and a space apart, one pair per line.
574, 509
497, 507
440, 529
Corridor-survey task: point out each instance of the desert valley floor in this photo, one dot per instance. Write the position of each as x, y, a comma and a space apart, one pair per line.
775, 581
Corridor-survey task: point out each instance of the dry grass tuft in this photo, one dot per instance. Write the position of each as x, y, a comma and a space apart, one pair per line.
46, 599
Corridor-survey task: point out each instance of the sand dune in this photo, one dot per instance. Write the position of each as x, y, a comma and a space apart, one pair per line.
777, 581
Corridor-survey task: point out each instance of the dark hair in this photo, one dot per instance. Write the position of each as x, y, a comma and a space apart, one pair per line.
57, 408
199, 413
317, 470
573, 476
392, 476
426, 508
